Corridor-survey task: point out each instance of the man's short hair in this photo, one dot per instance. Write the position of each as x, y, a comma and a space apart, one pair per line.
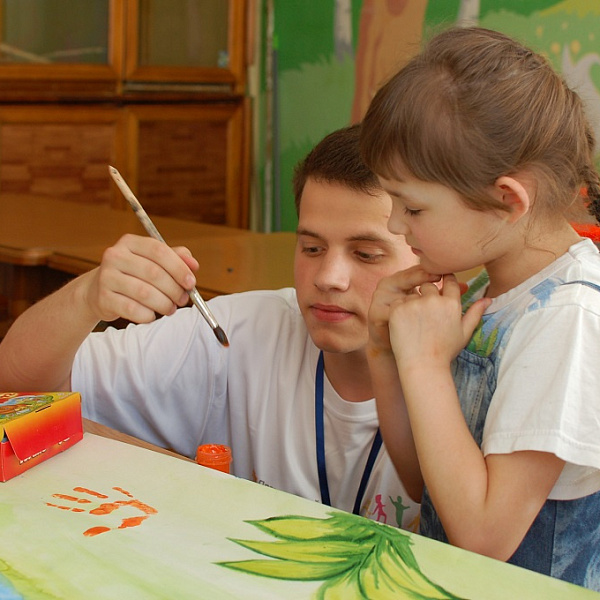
336, 159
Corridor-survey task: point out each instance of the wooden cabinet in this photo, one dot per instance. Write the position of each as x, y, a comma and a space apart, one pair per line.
154, 87
61, 151
202, 42
190, 152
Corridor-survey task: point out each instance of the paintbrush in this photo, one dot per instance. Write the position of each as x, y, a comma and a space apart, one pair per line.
141, 214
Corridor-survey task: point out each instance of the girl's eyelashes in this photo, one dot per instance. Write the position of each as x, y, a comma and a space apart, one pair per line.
411, 211
401, 202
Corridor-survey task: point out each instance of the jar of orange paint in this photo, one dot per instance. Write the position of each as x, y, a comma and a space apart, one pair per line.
215, 456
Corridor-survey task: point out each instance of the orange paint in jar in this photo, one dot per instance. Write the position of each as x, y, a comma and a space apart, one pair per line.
215, 456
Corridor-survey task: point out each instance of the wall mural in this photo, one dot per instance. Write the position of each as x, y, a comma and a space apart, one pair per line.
325, 76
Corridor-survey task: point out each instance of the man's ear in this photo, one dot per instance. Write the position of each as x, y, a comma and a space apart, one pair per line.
514, 196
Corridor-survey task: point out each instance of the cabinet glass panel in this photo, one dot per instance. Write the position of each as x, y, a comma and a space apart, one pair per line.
184, 33
54, 31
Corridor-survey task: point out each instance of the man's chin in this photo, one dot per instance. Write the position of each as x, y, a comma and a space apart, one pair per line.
336, 344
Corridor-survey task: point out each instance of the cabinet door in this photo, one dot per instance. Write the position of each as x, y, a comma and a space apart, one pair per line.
185, 41
60, 48
190, 161
61, 152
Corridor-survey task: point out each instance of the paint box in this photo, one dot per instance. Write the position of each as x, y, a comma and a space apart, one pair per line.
34, 427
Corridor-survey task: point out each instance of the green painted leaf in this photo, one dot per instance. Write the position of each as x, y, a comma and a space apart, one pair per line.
285, 569
305, 551
388, 573
337, 526
356, 558
343, 587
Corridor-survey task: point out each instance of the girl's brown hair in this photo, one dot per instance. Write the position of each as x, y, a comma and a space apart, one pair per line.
476, 105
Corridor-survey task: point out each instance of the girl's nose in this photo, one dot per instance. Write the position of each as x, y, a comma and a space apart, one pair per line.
397, 222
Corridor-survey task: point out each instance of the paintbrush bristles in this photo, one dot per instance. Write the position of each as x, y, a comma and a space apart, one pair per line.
221, 336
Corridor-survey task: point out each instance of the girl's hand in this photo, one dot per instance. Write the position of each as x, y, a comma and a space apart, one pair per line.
428, 329
393, 289
138, 277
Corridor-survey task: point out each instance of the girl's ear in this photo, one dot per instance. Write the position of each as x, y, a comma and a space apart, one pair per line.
514, 196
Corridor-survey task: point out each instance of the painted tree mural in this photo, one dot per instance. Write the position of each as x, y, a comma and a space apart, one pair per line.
328, 72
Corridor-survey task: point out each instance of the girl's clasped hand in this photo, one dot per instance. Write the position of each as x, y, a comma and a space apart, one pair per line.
418, 316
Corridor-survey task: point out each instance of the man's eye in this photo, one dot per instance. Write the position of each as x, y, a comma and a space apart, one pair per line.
367, 256
311, 250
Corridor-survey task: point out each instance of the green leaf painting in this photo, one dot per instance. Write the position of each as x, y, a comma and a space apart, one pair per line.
357, 559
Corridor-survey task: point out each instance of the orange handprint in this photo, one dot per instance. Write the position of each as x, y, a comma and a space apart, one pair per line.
105, 508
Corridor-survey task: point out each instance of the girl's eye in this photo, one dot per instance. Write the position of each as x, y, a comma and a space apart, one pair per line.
411, 212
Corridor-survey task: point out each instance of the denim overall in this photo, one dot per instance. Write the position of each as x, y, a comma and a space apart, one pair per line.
564, 539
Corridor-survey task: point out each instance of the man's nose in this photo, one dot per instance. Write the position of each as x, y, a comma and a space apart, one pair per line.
334, 272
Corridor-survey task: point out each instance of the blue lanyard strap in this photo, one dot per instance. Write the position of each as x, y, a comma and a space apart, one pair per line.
320, 433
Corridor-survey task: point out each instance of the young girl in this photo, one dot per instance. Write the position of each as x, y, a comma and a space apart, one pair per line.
491, 412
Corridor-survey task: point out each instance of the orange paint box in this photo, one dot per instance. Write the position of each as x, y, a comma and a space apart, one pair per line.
35, 427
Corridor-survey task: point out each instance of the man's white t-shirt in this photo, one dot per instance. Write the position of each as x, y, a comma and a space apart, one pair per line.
171, 383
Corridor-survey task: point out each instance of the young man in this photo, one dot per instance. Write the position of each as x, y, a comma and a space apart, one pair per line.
294, 422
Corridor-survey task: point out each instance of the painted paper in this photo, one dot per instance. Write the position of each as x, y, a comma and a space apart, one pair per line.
107, 520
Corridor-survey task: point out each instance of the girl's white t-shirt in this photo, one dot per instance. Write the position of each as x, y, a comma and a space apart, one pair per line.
546, 397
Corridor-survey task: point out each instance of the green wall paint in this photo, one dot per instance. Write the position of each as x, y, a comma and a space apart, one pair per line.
315, 88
